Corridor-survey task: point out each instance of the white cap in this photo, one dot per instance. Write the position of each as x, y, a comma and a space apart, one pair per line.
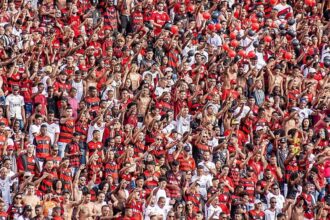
312, 70
258, 128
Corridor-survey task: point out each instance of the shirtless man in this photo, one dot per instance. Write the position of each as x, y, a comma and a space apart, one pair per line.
99, 203
143, 102
292, 121
269, 109
30, 198
79, 183
275, 79
295, 78
298, 211
86, 209
310, 81
125, 7
231, 74
134, 77
68, 205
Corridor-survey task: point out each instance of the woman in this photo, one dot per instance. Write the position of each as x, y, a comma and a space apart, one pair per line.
305, 125
179, 210
16, 209
58, 187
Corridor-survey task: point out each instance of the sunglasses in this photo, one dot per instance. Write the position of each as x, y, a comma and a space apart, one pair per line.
18, 198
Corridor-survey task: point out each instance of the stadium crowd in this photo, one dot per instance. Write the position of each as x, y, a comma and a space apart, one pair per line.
156, 110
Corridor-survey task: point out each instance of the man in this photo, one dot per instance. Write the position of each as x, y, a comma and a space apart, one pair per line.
279, 198
30, 198
159, 18
53, 129
5, 183
161, 208
86, 209
40, 97
28, 162
68, 205
39, 213
95, 146
15, 107
35, 127
67, 127
270, 213
257, 212
73, 102
175, 181
27, 213
204, 180
207, 164
72, 151
42, 142
92, 101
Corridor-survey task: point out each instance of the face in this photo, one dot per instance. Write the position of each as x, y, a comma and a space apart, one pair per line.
273, 203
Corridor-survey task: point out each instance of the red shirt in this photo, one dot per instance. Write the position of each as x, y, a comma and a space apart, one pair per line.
160, 18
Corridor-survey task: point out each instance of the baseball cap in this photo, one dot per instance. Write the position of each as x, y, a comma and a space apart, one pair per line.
312, 70
233, 82
168, 69
257, 201
258, 128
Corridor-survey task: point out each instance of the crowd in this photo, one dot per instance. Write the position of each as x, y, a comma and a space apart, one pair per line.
156, 110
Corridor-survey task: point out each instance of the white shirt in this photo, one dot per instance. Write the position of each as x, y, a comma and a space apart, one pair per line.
169, 127
215, 40
245, 111
183, 124
211, 209
269, 215
160, 211
33, 129
52, 130
279, 201
94, 127
5, 189
159, 90
210, 164
205, 181
283, 10
261, 61
15, 103
304, 113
